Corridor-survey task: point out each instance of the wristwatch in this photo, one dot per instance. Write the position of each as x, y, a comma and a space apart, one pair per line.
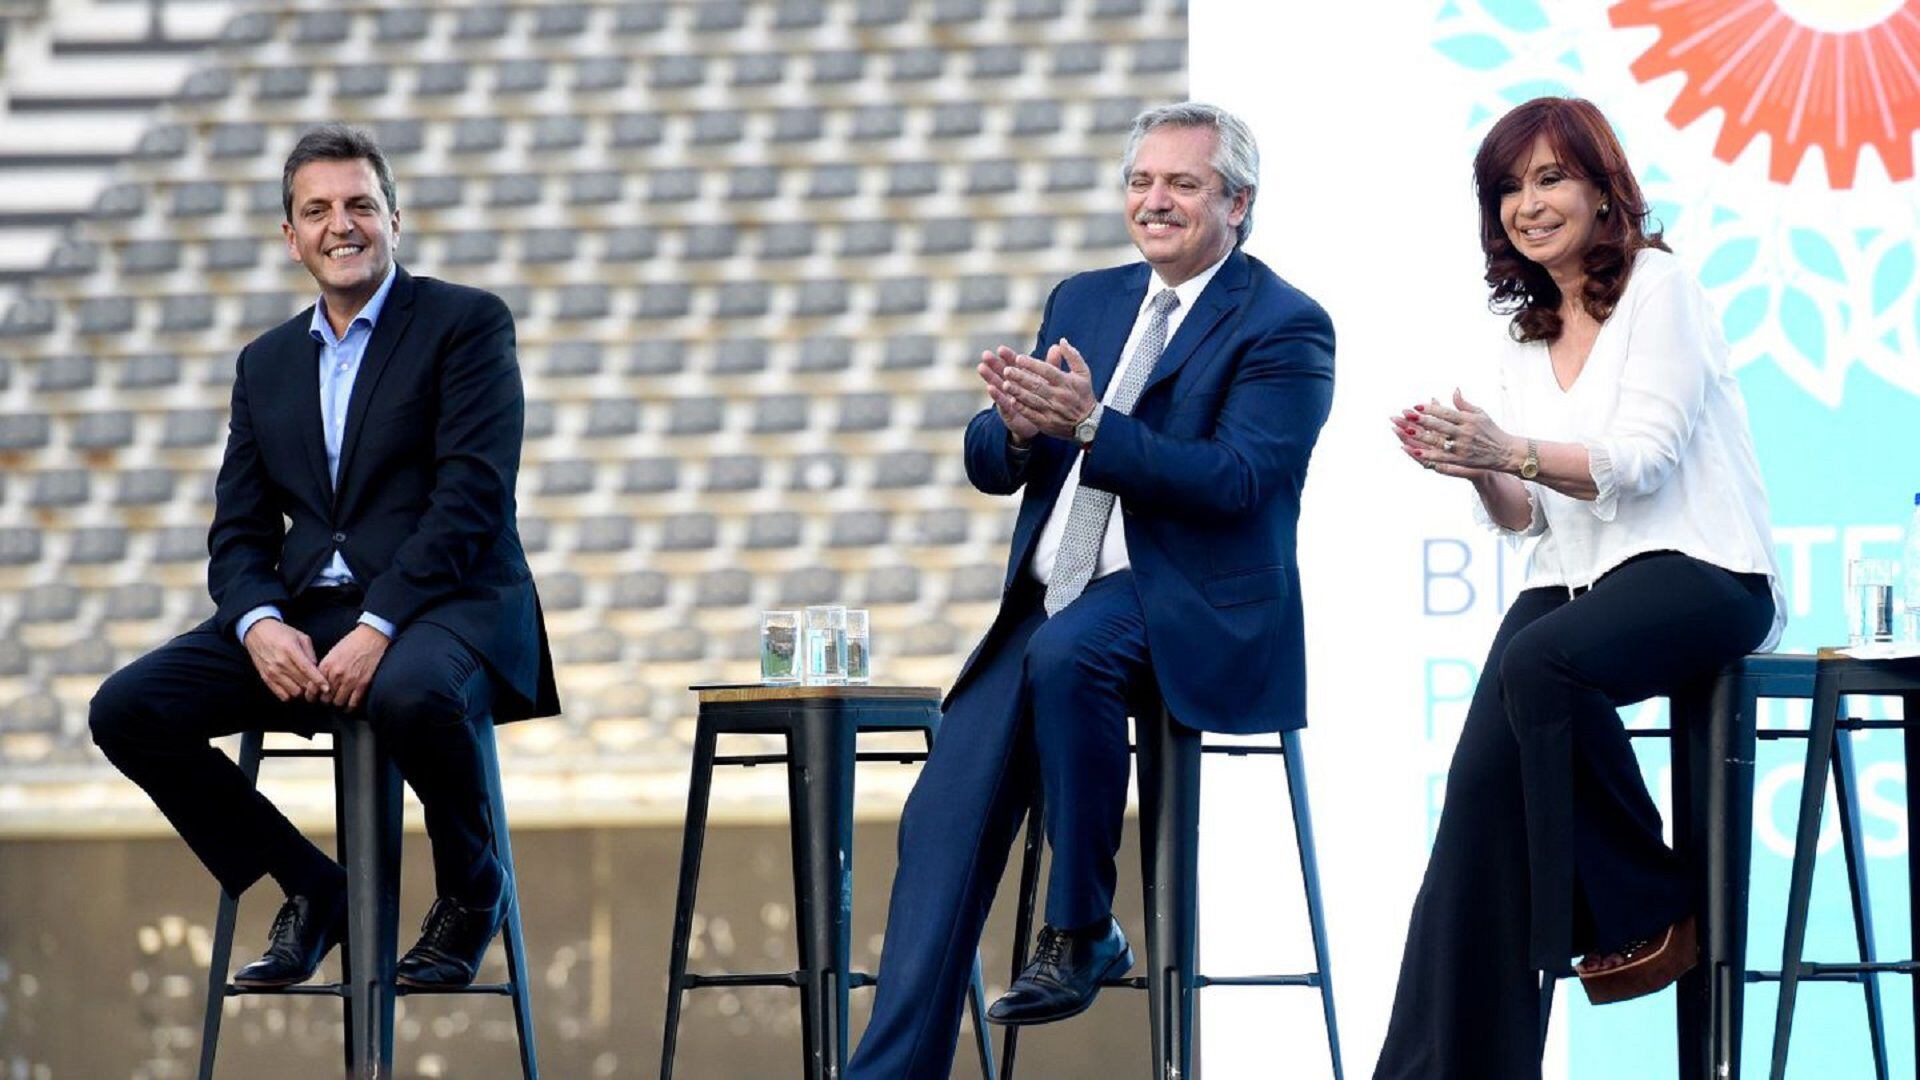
1084, 431
1530, 466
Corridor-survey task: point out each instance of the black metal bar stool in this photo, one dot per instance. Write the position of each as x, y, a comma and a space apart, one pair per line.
1167, 759
368, 819
820, 725
1837, 677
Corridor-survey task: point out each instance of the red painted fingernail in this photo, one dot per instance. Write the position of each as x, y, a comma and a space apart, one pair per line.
1420, 408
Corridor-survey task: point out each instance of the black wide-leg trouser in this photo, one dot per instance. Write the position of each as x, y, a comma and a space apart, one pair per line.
1549, 845
154, 718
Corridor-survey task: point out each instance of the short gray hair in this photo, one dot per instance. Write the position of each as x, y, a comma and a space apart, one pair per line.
336, 142
1235, 155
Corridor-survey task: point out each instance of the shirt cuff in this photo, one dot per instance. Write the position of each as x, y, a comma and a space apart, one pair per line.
264, 611
368, 618
1536, 518
1605, 481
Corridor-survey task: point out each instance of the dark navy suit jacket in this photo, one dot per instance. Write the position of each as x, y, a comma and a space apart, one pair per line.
424, 512
1208, 468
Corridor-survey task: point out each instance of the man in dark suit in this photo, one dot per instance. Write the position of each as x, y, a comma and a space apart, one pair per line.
1162, 442
365, 560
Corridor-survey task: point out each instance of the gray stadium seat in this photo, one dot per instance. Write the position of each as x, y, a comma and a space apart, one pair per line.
612, 417
734, 472
723, 589
514, 189
25, 431
689, 532
536, 533
15, 660
640, 18
650, 476
58, 487
101, 430
595, 73
144, 487
944, 526
248, 28
1038, 9
1115, 114
284, 83
833, 182
541, 418
994, 176
479, 135
362, 80
676, 645
901, 296
1026, 232
562, 591
638, 129
639, 589
123, 200
718, 126
1114, 9
819, 298
928, 638
903, 469
150, 256
180, 544
207, 84
560, 20
181, 314
798, 123
909, 351
696, 416
786, 240
998, 61
567, 477
593, 188
400, 136
753, 182
520, 76
839, 65
956, 11
470, 248
710, 241
879, 12
442, 78
149, 370
799, 14
548, 245
572, 359
893, 585
400, 24
265, 197
673, 185
957, 119
878, 122
106, 315
73, 258
773, 529
975, 584
19, 546
1155, 57
481, 22
716, 15
945, 236
606, 533
913, 65
433, 192
759, 69
1073, 174
809, 585
821, 352
864, 412
859, 239
193, 427
321, 27
600, 645
744, 299
57, 373
233, 253
981, 292
949, 409
677, 71
1036, 118
665, 300
199, 198
585, 302
88, 656
97, 545
739, 356
29, 315
136, 601
630, 243
774, 414
237, 140
657, 356
1103, 231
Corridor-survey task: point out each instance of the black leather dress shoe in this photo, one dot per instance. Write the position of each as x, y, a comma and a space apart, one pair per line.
303, 931
453, 941
1063, 977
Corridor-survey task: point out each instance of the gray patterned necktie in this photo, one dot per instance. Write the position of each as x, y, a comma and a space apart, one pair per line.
1093, 508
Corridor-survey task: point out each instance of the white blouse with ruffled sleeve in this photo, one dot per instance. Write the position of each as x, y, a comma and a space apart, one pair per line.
1665, 429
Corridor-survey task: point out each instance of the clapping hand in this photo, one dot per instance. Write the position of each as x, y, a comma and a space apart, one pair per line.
993, 371
1056, 393
1459, 441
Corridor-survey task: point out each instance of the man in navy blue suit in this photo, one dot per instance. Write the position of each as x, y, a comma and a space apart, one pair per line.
1161, 429
364, 561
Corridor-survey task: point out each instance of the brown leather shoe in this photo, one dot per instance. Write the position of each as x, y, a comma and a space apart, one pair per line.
1645, 968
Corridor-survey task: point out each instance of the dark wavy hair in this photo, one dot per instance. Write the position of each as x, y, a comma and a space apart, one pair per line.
1586, 148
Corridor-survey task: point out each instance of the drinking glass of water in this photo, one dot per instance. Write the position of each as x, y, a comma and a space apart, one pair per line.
1870, 600
857, 646
779, 647
826, 644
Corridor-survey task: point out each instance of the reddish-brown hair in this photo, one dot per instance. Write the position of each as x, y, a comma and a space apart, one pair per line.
1584, 144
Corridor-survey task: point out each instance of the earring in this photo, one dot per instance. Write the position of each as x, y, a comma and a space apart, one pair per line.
1604, 207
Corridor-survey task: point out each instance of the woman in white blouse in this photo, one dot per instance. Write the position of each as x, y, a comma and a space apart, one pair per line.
1622, 445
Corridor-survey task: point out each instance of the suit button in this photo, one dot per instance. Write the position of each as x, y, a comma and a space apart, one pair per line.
339, 538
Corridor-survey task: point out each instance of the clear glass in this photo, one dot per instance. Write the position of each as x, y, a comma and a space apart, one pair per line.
1870, 600
779, 647
857, 647
826, 643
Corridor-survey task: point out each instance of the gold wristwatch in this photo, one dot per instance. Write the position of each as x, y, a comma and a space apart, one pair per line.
1530, 465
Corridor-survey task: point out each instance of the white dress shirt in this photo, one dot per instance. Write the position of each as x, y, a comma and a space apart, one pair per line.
1665, 429
1113, 546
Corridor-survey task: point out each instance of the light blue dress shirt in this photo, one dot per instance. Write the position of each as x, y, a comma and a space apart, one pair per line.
340, 357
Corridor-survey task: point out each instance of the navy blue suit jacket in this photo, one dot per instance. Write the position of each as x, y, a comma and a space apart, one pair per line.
424, 511
1208, 468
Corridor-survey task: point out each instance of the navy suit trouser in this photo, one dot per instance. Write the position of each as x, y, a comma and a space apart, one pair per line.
1044, 709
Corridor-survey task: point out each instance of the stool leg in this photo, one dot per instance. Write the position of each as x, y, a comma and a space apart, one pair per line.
820, 792
513, 938
692, 840
369, 788
1813, 793
1169, 771
1846, 794
1310, 879
1023, 920
1910, 738
251, 744
982, 1038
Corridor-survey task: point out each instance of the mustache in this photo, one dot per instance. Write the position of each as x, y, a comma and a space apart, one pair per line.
1158, 217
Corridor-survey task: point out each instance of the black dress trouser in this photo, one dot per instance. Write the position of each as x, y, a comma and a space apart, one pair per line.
1549, 845
154, 718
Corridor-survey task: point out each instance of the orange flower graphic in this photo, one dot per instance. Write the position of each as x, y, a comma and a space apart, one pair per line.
1837, 74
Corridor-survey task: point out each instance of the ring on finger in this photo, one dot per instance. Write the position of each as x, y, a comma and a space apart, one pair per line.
1447, 444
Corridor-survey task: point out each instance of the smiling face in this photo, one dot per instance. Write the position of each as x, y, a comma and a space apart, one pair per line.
1549, 216
1177, 213
342, 231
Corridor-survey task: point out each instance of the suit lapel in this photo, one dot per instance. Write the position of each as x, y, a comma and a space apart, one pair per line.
387, 333
1107, 334
1214, 302
304, 371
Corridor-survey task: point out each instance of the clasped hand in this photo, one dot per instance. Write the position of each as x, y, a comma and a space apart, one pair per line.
1459, 441
1038, 397
286, 661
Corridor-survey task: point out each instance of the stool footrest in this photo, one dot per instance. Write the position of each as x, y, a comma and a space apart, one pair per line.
1847, 973
897, 757
332, 989
502, 989
1311, 978
855, 980
296, 751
